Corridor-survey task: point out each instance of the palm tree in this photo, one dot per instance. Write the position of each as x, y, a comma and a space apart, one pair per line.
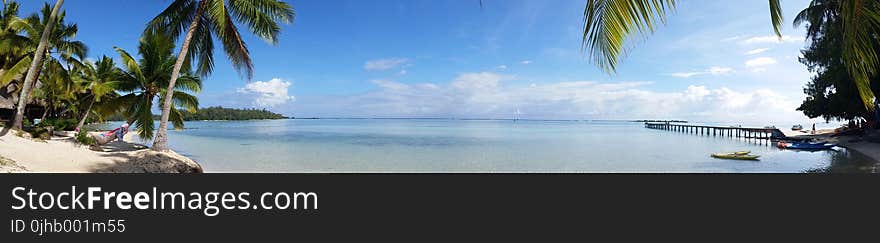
142, 81
11, 43
99, 80
608, 24
56, 89
14, 50
32, 73
202, 19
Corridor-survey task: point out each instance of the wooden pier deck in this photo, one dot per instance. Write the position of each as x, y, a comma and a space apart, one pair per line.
733, 132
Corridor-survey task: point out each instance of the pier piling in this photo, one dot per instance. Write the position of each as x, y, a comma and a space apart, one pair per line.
756, 135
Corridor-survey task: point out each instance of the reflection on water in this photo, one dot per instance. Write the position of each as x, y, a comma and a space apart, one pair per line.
848, 162
414, 145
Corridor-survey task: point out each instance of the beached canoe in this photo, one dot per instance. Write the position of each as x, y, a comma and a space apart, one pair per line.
806, 145
736, 156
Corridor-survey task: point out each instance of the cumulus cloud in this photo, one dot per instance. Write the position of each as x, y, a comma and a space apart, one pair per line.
490, 95
770, 39
757, 51
384, 64
268, 93
715, 71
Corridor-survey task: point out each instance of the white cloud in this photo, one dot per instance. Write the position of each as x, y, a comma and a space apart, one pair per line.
268, 93
757, 51
384, 64
487, 95
770, 39
686, 75
501, 67
525, 62
760, 62
715, 71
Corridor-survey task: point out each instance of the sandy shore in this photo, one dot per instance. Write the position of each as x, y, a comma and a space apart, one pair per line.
857, 143
62, 154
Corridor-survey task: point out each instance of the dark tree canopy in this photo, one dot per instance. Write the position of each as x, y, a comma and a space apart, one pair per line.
220, 113
832, 93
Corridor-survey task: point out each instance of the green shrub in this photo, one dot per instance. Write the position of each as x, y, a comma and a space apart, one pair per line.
39, 133
83, 137
60, 124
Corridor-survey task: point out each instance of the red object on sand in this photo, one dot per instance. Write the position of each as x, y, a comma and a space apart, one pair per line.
111, 132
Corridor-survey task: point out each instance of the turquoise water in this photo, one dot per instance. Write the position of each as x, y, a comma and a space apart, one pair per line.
436, 145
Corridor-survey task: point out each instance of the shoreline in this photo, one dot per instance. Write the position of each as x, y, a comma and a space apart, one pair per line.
61, 154
860, 144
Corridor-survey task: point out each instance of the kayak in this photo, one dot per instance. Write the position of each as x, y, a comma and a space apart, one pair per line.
742, 152
806, 146
736, 155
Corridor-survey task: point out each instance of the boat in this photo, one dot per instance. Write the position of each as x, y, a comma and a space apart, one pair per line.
736, 156
806, 145
742, 152
797, 128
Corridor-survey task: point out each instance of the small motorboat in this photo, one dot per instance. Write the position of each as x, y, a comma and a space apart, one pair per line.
805, 145
797, 128
741, 155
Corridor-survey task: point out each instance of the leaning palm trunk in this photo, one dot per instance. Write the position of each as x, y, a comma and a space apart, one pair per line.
160, 143
31, 74
83, 120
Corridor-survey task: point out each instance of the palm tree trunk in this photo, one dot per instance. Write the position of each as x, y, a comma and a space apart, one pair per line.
38, 58
83, 120
160, 143
46, 111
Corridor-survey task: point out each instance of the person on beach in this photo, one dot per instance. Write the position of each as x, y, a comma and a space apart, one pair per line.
124, 129
119, 132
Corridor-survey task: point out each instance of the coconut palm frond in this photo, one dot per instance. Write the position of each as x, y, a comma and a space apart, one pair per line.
609, 24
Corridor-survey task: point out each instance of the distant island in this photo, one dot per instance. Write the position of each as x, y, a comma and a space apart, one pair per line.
222, 113
218, 113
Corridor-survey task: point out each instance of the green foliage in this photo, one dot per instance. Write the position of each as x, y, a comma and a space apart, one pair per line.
218, 19
83, 137
39, 132
60, 124
220, 113
832, 93
610, 24
144, 81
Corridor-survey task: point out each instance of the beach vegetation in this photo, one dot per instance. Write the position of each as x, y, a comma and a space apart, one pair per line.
831, 93
98, 81
84, 138
48, 38
59, 124
200, 21
143, 81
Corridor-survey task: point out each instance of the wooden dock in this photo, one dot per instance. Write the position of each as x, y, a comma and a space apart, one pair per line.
733, 132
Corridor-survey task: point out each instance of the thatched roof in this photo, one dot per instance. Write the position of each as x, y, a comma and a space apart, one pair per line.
8, 100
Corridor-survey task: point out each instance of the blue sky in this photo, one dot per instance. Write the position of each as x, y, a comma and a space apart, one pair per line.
713, 61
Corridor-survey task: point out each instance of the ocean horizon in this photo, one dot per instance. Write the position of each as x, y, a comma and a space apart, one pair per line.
343, 145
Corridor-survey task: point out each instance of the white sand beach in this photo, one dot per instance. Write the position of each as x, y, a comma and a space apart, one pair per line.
62, 154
